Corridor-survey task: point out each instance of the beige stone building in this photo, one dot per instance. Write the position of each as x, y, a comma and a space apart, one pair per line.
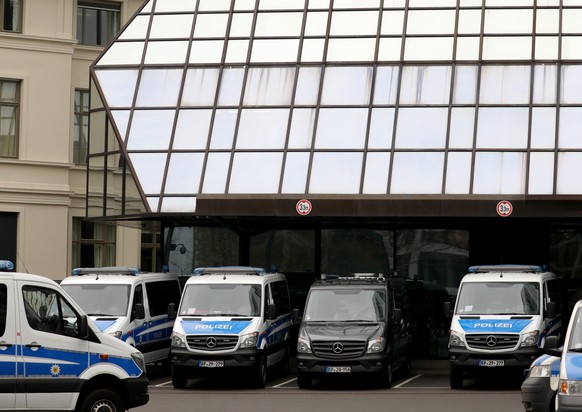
46, 48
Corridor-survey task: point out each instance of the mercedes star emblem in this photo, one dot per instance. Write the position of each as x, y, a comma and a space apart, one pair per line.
491, 341
337, 348
211, 342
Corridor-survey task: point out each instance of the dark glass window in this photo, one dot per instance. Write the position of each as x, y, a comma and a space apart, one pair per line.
161, 294
81, 117
98, 22
93, 244
3, 308
9, 117
11, 15
47, 311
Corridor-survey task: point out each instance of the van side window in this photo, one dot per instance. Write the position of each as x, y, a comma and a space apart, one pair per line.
553, 293
267, 298
137, 299
47, 311
3, 308
280, 294
161, 294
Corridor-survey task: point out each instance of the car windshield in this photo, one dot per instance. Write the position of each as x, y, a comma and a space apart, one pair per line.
328, 305
221, 300
499, 298
101, 300
575, 343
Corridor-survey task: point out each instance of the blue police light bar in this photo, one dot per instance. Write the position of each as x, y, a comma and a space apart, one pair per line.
507, 268
6, 265
107, 270
232, 270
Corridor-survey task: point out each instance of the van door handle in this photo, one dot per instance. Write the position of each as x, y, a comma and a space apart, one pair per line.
33, 345
6, 345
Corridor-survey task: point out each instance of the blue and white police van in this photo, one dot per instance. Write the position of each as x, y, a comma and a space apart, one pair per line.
52, 357
128, 304
502, 316
231, 319
539, 389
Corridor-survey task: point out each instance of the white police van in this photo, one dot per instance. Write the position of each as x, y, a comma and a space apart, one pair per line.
53, 358
502, 316
231, 318
128, 304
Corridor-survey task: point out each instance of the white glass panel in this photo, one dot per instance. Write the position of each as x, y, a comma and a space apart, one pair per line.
500, 21
174, 26
421, 128
206, 51
548, 21
541, 174
122, 53
301, 134
505, 84
256, 173
118, 86
316, 24
360, 4
271, 132
210, 25
269, 86
178, 205
149, 169
184, 173
499, 173
347, 85
571, 19
499, 3
543, 128
417, 173
153, 203
354, 23
458, 173
545, 84
223, 129
147, 8
571, 85
381, 129
341, 50
121, 120
503, 128
425, 85
336, 173
241, 25
572, 47
471, 3
570, 126
462, 123
279, 24
278, 4
386, 85
151, 129
467, 48
548, 3
568, 179
274, 51
469, 22
159, 88
166, 52
390, 49
547, 48
212, 5
432, 3
200, 87
231, 87
435, 48
295, 177
465, 90
312, 50
507, 48
341, 129
137, 30
237, 51
572, 2
318, 4
376, 175
431, 22
216, 173
392, 22
192, 130
244, 4
394, 4
175, 5
308, 85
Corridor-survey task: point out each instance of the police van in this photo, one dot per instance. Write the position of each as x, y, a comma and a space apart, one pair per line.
229, 319
128, 304
502, 316
53, 358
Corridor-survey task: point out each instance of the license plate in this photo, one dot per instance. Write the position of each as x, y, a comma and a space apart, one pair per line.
338, 369
211, 364
491, 363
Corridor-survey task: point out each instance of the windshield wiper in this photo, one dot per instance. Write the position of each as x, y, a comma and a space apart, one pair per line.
102, 314
235, 315
575, 350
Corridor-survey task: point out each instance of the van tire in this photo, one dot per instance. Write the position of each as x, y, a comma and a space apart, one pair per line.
102, 398
179, 378
303, 381
260, 373
456, 377
386, 377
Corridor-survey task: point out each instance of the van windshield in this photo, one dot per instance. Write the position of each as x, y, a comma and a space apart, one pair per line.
499, 298
329, 305
221, 300
575, 344
101, 300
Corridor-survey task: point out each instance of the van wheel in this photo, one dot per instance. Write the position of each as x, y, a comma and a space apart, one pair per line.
102, 400
386, 377
261, 373
179, 378
456, 378
303, 381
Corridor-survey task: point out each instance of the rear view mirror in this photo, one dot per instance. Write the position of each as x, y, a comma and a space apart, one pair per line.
295, 318
397, 318
82, 327
551, 310
172, 311
551, 346
447, 311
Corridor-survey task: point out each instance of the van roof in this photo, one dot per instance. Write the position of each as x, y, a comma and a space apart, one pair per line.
122, 279
234, 278
506, 277
27, 277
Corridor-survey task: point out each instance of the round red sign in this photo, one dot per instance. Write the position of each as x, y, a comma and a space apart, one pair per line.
303, 207
504, 208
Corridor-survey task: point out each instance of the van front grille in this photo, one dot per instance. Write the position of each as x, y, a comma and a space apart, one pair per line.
212, 342
338, 349
492, 341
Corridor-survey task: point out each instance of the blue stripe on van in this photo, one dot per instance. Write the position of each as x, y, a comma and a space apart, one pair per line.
195, 327
494, 325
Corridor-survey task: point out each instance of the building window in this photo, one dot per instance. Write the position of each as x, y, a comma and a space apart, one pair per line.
97, 22
151, 251
9, 108
81, 127
93, 244
11, 15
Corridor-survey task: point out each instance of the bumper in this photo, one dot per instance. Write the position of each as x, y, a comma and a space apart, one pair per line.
520, 358
536, 394
137, 391
374, 363
189, 362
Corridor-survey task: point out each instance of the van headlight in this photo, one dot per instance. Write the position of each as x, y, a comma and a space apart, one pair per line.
376, 345
178, 340
540, 371
456, 339
530, 339
139, 360
249, 340
303, 342
570, 387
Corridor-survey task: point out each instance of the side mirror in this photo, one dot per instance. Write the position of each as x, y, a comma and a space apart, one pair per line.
295, 318
172, 311
551, 310
271, 312
551, 346
397, 317
138, 311
447, 311
83, 327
